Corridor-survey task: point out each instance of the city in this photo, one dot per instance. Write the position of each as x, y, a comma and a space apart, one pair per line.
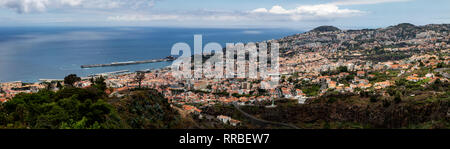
398, 64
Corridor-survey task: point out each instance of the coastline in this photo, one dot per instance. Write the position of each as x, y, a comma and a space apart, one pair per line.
63, 57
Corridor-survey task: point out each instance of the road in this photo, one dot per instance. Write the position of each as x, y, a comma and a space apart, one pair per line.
264, 121
442, 72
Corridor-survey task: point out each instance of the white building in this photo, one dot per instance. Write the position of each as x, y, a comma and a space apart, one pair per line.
301, 99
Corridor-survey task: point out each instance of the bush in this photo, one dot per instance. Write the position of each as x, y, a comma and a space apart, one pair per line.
398, 97
373, 98
386, 103
62, 109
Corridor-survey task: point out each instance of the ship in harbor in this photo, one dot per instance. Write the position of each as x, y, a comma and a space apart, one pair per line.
168, 58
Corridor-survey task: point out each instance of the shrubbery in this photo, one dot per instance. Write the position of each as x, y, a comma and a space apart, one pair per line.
89, 108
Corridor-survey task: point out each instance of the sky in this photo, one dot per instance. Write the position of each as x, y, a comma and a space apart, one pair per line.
295, 14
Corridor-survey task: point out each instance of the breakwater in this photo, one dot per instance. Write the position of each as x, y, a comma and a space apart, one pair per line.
169, 58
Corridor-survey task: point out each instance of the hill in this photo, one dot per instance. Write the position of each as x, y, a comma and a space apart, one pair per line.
405, 25
325, 29
77, 108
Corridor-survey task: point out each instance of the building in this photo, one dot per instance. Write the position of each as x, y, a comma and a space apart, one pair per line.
429, 75
224, 119
301, 99
412, 78
360, 73
234, 122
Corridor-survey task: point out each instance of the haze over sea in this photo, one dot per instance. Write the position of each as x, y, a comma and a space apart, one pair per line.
32, 53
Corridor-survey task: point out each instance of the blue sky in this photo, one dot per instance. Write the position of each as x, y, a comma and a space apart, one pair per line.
297, 14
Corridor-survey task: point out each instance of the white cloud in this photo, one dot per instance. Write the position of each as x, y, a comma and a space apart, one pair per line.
166, 17
137, 11
25, 6
325, 10
365, 2
195, 16
321, 11
279, 10
274, 10
72, 3
260, 10
29, 6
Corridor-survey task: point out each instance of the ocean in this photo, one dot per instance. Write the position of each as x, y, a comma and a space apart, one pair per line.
31, 53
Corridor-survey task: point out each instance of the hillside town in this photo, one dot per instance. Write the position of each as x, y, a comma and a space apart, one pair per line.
312, 64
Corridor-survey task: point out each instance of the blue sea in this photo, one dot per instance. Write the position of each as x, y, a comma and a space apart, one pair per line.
32, 53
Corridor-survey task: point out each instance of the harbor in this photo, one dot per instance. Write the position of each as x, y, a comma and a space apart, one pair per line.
169, 58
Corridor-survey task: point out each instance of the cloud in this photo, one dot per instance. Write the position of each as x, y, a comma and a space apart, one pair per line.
260, 10
325, 10
138, 17
321, 11
279, 10
223, 17
175, 17
72, 3
365, 2
25, 6
110, 11
276, 13
178, 16
30, 6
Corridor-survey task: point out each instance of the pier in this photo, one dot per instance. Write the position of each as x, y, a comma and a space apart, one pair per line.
169, 58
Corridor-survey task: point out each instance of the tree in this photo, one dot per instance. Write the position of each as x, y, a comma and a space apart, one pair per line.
48, 85
373, 98
148, 109
58, 85
438, 85
386, 103
291, 79
99, 83
401, 82
342, 69
440, 65
398, 97
71, 79
140, 76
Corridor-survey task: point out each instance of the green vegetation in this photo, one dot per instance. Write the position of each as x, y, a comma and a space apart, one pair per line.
398, 97
308, 88
325, 29
348, 111
338, 70
147, 109
68, 108
386, 56
382, 76
89, 108
140, 76
71, 79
